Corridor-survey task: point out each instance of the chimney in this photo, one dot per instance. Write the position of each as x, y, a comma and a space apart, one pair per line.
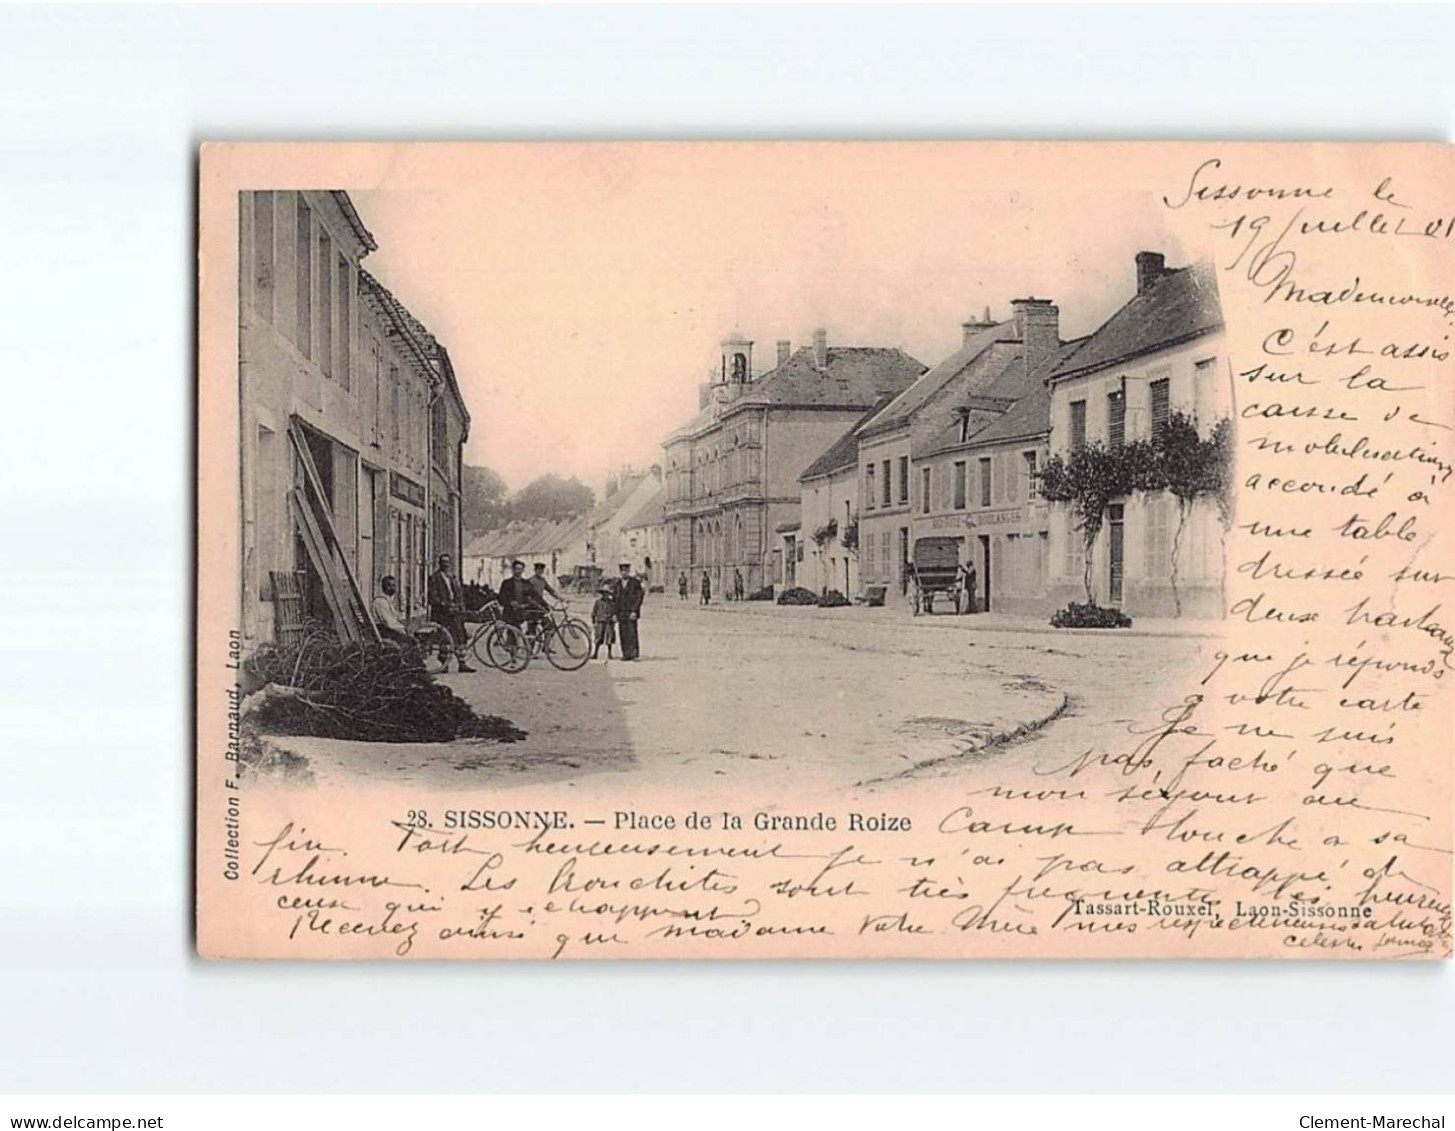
971, 328
1038, 326
785, 347
1151, 266
821, 348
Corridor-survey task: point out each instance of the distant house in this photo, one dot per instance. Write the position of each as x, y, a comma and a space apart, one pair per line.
732, 471
626, 494
644, 540
901, 480
829, 505
1161, 353
560, 544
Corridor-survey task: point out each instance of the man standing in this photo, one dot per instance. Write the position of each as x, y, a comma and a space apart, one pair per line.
968, 581
519, 601
706, 588
682, 586
447, 609
737, 585
541, 585
629, 597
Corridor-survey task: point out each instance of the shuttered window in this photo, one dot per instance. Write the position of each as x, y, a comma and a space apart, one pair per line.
984, 482
1078, 425
960, 485
1116, 419
1161, 406
1156, 545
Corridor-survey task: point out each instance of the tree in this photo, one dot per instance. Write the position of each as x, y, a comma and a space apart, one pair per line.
551, 496
1178, 460
482, 498
1192, 467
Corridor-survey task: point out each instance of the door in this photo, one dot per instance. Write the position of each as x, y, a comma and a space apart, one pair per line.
1116, 549
368, 513
903, 560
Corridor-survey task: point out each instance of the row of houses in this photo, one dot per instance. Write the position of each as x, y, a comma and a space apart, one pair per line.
824, 471
619, 528
353, 425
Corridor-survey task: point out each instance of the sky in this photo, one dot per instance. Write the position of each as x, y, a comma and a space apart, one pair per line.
583, 290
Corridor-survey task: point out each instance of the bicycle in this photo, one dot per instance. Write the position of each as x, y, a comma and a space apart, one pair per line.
499, 644
565, 643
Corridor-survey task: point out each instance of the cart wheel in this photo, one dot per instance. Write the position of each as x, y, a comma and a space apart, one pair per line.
915, 602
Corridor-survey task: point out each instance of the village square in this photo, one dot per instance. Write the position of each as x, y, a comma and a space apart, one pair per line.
850, 564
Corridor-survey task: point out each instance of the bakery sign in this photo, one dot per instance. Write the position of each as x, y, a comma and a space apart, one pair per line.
1003, 517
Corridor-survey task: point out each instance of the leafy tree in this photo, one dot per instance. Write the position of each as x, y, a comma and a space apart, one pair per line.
482, 498
1179, 460
551, 496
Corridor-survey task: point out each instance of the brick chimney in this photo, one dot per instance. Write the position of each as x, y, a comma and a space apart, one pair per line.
1151, 266
785, 347
1038, 326
821, 348
970, 328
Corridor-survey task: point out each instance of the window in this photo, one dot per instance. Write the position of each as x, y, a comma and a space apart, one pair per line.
264, 263
376, 352
345, 326
904, 480
325, 304
1116, 419
1078, 425
1033, 489
304, 279
394, 410
1161, 406
869, 495
1204, 376
959, 485
964, 417
924, 491
439, 434
984, 482
886, 492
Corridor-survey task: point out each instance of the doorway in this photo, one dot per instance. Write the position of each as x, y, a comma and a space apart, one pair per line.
1116, 550
984, 540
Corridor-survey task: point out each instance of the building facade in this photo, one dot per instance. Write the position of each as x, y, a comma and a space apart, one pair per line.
906, 483
731, 473
1164, 352
345, 474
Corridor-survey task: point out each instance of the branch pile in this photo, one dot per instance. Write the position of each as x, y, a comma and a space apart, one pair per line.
373, 692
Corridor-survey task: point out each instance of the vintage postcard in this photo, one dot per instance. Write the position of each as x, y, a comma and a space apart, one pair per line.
825, 550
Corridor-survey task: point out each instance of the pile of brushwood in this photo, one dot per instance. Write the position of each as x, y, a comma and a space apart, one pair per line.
763, 594
372, 692
832, 599
798, 596
1089, 615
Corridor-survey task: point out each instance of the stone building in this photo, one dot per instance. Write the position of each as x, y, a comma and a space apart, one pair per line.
352, 423
626, 493
903, 479
1163, 352
731, 472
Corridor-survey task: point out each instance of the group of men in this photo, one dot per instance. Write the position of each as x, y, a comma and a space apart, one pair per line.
735, 590
522, 602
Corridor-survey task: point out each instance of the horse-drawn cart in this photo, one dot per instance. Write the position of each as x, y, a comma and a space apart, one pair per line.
935, 571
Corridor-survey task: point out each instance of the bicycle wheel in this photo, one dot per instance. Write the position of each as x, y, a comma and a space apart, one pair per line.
567, 646
508, 648
478, 643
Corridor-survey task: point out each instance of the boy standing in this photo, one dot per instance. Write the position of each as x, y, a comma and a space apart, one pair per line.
603, 617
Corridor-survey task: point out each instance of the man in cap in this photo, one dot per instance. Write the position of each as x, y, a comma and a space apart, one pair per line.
629, 598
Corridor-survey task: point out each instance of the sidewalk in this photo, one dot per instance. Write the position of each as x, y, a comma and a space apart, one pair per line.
978, 622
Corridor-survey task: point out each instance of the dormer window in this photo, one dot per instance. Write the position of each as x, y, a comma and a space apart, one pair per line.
963, 418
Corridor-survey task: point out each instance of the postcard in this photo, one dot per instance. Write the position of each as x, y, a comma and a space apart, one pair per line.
814, 550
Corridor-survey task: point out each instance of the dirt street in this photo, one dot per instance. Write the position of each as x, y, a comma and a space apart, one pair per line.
854, 701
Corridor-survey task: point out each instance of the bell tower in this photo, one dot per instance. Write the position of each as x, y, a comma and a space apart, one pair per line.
737, 360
